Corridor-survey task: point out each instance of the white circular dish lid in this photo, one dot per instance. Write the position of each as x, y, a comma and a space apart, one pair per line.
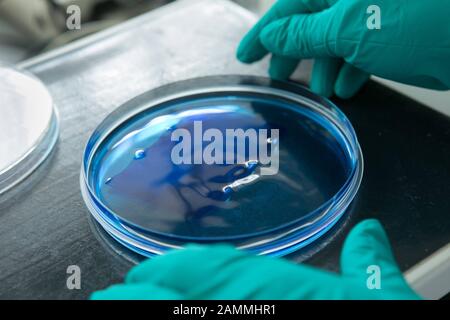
28, 126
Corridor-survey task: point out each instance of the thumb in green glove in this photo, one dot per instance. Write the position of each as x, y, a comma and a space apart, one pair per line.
221, 272
412, 45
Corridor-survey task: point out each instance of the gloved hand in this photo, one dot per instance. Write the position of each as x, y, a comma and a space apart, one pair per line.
412, 45
221, 272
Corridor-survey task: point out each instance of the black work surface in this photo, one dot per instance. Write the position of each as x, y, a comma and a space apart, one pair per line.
44, 225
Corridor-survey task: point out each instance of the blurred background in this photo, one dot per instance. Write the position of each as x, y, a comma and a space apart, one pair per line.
32, 27
28, 28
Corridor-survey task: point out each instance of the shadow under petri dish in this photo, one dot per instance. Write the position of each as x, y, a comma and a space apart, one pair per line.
134, 175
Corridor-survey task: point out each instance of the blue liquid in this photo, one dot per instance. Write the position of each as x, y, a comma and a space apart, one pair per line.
134, 176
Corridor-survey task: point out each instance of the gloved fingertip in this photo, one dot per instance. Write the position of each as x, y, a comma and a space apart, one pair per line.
344, 92
250, 50
278, 74
349, 81
367, 254
369, 226
242, 56
368, 232
321, 91
281, 68
367, 244
324, 74
321, 87
275, 75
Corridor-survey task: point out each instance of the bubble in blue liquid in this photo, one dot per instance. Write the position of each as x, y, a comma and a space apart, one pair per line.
139, 154
200, 200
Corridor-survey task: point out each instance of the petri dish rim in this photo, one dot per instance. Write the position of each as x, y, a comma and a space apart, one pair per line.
29, 161
223, 85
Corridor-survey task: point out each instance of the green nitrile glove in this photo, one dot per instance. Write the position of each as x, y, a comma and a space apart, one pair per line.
412, 45
221, 272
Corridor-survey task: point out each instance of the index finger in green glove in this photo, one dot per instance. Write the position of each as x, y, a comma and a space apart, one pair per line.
325, 71
299, 36
251, 49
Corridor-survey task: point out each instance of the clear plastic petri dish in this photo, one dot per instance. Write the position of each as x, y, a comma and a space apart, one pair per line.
28, 126
266, 166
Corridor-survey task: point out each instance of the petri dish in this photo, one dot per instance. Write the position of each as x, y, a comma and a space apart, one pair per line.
263, 165
28, 126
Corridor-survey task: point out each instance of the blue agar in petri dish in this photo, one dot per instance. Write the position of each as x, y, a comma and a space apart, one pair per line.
151, 203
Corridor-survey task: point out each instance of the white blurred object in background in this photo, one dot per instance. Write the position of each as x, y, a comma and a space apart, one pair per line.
28, 126
36, 19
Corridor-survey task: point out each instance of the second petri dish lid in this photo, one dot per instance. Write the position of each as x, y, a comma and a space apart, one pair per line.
263, 165
28, 126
